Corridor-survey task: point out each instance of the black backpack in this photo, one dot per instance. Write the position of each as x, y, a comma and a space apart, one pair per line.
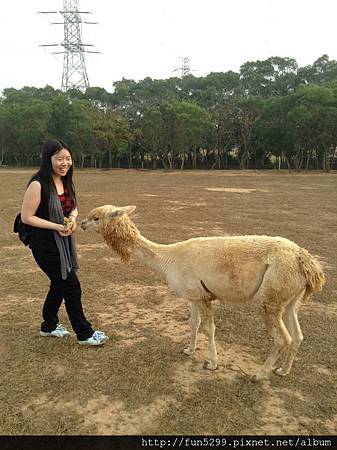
23, 230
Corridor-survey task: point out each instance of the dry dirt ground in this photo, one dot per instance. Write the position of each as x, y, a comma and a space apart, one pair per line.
140, 382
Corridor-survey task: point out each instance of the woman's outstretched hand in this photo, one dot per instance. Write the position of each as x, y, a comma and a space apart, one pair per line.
62, 230
74, 225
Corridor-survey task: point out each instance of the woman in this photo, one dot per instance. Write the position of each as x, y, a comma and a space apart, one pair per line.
49, 199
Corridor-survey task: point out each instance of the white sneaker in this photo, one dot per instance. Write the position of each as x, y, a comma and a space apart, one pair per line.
98, 338
59, 332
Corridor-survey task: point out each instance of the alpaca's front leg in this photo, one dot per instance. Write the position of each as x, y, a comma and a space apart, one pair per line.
195, 323
209, 328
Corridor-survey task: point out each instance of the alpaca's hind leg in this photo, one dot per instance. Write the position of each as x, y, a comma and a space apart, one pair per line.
209, 328
281, 337
291, 322
195, 323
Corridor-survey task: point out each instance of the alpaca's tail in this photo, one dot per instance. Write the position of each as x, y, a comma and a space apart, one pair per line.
313, 273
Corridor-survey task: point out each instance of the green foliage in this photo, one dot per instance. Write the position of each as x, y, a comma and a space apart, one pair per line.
273, 77
30, 116
185, 126
270, 114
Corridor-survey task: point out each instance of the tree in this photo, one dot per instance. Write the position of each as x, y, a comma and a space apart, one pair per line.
313, 119
151, 132
248, 112
7, 132
111, 133
323, 70
274, 76
185, 128
79, 130
98, 97
224, 117
27, 131
210, 90
61, 116
131, 98
274, 134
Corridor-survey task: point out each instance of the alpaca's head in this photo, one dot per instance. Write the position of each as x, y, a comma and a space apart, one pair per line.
99, 217
113, 222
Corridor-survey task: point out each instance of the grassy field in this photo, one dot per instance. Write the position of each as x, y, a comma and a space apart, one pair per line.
140, 382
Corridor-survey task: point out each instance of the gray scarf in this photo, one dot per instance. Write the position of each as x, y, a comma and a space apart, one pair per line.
66, 246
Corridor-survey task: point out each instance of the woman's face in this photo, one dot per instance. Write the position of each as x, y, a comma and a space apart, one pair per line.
61, 162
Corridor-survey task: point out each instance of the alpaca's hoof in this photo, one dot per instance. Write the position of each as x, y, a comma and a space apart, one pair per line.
209, 365
188, 351
280, 372
259, 377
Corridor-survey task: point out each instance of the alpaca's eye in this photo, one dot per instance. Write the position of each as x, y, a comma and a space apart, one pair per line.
96, 219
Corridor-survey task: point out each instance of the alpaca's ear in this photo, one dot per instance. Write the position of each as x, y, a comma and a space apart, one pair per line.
129, 209
116, 213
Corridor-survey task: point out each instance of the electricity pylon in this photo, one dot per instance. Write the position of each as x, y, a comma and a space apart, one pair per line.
74, 74
185, 67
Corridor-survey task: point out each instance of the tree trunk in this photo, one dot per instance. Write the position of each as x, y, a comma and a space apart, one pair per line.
206, 159
288, 164
296, 162
301, 159
324, 161
110, 158
2, 151
130, 155
307, 161
332, 162
216, 161
327, 160
194, 160
225, 159
170, 160
82, 160
262, 160
244, 159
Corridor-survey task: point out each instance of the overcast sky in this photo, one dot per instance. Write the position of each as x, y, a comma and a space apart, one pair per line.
140, 38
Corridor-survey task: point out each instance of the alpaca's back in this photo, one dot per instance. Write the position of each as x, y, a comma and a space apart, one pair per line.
232, 268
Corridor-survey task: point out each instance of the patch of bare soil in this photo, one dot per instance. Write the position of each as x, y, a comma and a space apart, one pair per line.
236, 190
140, 382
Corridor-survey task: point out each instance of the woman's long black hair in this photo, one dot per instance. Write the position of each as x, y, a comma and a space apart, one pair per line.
45, 171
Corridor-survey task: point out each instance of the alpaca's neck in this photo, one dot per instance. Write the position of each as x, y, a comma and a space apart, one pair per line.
125, 239
153, 255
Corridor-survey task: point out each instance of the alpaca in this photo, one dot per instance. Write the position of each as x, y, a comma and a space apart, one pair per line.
271, 270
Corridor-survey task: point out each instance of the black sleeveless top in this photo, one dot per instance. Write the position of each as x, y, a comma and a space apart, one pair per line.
42, 238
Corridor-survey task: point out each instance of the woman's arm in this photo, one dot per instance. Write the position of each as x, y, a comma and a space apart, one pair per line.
72, 216
30, 204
